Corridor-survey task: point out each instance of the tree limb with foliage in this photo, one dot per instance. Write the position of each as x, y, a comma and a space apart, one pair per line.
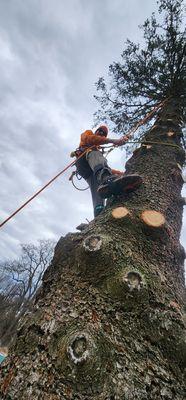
147, 74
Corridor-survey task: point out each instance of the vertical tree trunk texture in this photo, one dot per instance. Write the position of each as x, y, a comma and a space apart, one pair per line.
108, 322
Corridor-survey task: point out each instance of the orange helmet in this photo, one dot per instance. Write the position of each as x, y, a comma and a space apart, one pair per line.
102, 130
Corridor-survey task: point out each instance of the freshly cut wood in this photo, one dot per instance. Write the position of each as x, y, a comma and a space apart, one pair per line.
153, 218
170, 133
147, 146
120, 212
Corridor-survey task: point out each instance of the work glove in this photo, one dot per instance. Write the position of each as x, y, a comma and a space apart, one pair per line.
122, 141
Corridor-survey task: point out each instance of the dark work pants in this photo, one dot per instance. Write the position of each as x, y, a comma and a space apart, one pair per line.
96, 199
97, 162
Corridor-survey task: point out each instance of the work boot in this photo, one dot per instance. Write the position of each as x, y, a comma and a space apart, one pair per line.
115, 185
103, 174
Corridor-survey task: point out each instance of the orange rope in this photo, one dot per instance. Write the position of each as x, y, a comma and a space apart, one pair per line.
141, 122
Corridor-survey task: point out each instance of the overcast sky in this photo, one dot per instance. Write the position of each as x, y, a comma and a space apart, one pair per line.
51, 54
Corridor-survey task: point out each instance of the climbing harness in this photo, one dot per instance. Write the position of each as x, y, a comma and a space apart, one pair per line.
131, 132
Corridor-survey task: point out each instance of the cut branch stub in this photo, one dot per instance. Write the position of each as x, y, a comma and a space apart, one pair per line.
120, 212
170, 133
134, 280
92, 243
153, 218
146, 146
129, 287
78, 349
81, 358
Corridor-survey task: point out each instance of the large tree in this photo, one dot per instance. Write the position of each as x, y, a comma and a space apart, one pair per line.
108, 323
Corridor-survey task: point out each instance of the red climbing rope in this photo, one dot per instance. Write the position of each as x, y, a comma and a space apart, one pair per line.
141, 122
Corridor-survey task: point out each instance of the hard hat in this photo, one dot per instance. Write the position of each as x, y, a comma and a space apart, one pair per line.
102, 130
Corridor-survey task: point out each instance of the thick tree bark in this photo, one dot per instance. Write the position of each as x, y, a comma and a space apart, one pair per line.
108, 322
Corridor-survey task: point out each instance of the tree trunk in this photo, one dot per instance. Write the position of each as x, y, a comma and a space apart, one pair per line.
108, 321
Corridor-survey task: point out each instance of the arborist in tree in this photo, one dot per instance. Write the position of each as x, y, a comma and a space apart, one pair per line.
103, 181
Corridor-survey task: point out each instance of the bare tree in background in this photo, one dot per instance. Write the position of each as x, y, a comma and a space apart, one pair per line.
19, 282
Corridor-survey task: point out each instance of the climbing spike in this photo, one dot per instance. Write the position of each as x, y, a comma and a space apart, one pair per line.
154, 219
120, 212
